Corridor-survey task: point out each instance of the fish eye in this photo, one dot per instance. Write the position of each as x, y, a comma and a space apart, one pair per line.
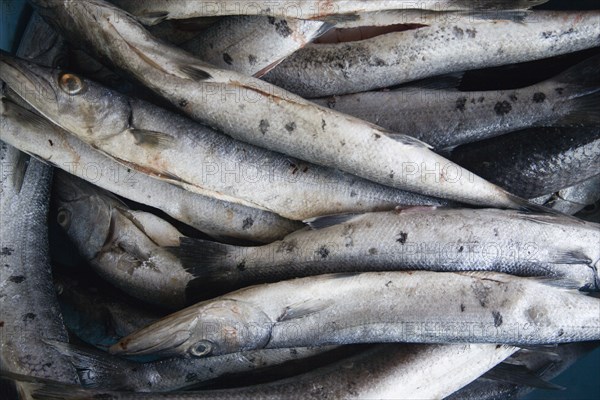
202, 348
63, 218
71, 84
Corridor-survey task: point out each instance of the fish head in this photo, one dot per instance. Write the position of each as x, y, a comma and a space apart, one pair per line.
83, 214
78, 105
210, 328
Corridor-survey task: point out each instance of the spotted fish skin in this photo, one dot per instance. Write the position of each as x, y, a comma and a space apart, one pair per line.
447, 45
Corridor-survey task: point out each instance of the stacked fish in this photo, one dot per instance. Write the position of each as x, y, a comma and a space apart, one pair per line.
297, 199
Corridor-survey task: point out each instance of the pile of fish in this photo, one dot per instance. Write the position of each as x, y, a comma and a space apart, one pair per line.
299, 199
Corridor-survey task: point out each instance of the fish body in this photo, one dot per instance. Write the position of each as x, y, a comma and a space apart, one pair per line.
253, 45
120, 246
33, 135
474, 307
384, 372
177, 150
542, 365
537, 161
263, 114
448, 117
28, 303
458, 43
412, 239
153, 12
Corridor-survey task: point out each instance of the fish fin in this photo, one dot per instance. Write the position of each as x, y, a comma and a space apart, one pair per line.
572, 257
29, 118
519, 375
265, 70
323, 29
327, 221
195, 73
547, 352
152, 139
303, 309
517, 16
30, 387
408, 140
208, 262
95, 368
585, 111
558, 283
526, 206
153, 18
581, 74
443, 82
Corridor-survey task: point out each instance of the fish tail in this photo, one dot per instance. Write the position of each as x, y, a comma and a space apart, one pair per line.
95, 368
212, 264
29, 387
581, 84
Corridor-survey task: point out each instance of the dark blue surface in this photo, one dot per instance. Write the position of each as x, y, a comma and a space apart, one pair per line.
582, 380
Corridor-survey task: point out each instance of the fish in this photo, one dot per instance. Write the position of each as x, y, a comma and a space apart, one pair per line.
219, 219
445, 118
119, 243
253, 45
30, 312
418, 238
537, 161
575, 198
177, 150
412, 306
153, 12
543, 365
458, 43
385, 372
270, 118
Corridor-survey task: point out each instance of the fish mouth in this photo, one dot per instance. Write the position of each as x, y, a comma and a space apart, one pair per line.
32, 87
141, 343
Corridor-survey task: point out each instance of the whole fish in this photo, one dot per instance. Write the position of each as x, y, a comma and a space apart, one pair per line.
410, 239
447, 118
257, 112
97, 313
458, 43
175, 149
120, 244
537, 161
34, 135
29, 307
543, 365
153, 11
253, 45
384, 372
473, 307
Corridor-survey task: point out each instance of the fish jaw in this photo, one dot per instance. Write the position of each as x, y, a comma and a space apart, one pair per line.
205, 329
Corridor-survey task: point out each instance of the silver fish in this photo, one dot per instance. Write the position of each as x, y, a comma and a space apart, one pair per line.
219, 219
30, 312
410, 239
260, 113
461, 43
153, 11
119, 244
175, 149
474, 307
253, 45
447, 118
537, 365
575, 198
384, 372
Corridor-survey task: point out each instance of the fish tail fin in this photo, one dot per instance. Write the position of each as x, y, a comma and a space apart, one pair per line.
581, 84
29, 387
210, 263
94, 368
